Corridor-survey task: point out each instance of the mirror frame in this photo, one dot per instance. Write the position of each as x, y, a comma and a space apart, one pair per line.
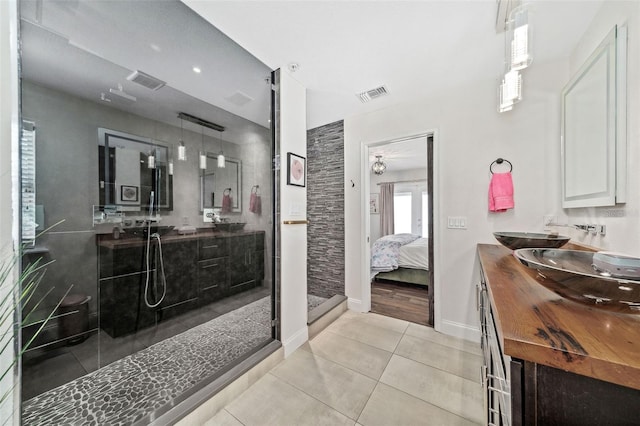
214, 158
103, 135
613, 124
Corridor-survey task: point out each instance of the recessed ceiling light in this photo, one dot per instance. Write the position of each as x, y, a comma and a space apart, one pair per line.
197, 70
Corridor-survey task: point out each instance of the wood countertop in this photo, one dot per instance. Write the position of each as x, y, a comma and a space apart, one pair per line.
537, 325
107, 240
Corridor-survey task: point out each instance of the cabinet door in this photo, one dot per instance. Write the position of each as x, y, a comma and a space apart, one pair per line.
242, 263
122, 307
213, 280
179, 261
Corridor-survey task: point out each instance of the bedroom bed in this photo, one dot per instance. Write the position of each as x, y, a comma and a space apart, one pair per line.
402, 258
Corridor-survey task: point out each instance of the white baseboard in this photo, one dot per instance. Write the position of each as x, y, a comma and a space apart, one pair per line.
355, 305
294, 342
457, 329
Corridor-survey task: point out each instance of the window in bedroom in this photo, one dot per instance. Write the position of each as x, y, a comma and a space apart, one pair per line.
402, 212
425, 215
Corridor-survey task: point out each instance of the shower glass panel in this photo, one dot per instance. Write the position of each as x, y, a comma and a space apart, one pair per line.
154, 293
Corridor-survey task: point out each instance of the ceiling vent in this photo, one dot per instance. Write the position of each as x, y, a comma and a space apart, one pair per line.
373, 94
239, 98
145, 80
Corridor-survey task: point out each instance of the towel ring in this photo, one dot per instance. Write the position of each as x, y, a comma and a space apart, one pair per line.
225, 191
255, 189
500, 161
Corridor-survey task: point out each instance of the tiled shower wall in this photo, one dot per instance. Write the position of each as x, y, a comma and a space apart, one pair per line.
325, 210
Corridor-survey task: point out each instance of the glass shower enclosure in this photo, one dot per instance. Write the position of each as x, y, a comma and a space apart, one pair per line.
150, 198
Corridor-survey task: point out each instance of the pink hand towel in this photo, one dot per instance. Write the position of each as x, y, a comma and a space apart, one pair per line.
227, 201
500, 192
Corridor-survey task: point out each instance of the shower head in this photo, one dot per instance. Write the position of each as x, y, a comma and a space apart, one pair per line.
151, 200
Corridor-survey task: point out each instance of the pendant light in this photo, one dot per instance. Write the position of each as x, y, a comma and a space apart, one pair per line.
378, 166
203, 154
182, 150
221, 160
151, 159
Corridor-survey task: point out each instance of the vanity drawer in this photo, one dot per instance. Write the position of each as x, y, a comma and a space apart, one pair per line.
213, 247
213, 279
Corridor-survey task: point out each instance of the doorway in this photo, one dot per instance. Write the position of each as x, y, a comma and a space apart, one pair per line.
400, 246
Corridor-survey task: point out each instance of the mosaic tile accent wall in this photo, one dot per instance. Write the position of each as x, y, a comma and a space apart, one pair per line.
325, 210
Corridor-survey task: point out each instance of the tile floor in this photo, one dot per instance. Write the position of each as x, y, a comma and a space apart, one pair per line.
367, 369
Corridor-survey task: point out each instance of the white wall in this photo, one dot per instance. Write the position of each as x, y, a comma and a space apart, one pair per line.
470, 135
8, 174
623, 220
293, 206
416, 205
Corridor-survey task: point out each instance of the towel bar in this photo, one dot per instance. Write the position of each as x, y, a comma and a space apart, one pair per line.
296, 222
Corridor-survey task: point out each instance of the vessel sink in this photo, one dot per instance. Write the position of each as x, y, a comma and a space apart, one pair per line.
141, 231
518, 240
572, 275
229, 226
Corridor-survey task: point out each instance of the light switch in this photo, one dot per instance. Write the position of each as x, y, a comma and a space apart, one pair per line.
457, 222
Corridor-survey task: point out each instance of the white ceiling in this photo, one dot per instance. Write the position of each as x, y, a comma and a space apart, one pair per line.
415, 48
402, 155
86, 47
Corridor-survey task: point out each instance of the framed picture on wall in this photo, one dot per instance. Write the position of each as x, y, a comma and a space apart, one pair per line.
296, 170
128, 193
374, 203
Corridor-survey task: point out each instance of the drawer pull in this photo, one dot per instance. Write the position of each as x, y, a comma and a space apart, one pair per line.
210, 287
209, 266
206, 247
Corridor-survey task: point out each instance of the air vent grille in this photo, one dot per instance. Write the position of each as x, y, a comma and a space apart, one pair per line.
146, 80
373, 94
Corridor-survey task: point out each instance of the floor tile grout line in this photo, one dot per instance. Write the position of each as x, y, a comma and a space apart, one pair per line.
350, 338
311, 396
231, 414
448, 346
435, 368
367, 403
427, 402
347, 367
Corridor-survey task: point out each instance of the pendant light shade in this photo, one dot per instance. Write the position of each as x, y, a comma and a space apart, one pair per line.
221, 159
203, 154
182, 151
203, 160
378, 166
151, 160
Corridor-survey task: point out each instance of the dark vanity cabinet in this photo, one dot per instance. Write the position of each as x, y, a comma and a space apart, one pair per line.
124, 307
213, 268
495, 381
179, 260
532, 340
246, 262
199, 269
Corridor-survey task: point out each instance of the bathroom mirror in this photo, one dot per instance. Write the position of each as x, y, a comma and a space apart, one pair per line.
130, 168
593, 141
216, 182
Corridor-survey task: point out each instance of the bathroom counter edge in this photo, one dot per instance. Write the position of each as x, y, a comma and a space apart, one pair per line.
535, 324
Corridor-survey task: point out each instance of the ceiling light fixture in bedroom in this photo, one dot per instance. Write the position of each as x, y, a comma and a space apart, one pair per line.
378, 167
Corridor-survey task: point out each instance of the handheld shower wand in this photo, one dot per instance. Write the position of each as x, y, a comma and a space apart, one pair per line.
164, 278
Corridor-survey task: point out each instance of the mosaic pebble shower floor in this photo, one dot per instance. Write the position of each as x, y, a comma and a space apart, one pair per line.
131, 388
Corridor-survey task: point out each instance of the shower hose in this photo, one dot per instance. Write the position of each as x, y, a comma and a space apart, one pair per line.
164, 278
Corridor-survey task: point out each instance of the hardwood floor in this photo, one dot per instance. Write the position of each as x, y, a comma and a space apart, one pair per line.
403, 301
